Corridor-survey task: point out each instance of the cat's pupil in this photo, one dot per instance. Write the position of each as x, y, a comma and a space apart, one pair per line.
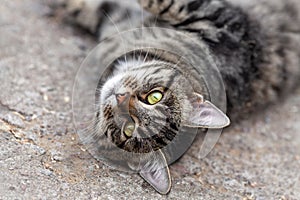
128, 129
154, 97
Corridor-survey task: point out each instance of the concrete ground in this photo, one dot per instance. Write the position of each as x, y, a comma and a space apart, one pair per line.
40, 157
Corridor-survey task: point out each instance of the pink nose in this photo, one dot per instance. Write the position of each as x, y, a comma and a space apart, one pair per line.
121, 98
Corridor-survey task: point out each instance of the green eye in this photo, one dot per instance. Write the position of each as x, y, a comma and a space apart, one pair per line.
154, 97
129, 129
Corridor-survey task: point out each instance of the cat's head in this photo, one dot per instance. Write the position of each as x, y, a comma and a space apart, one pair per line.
142, 107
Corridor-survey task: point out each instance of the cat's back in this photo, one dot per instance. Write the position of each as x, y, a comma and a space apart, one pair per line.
274, 16
277, 26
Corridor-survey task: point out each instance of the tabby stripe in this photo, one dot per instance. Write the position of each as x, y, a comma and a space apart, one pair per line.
109, 50
100, 137
159, 122
106, 133
227, 15
153, 130
128, 81
181, 9
142, 132
150, 131
163, 119
167, 8
159, 140
160, 108
212, 17
174, 126
146, 143
149, 67
98, 114
107, 111
166, 136
133, 85
137, 145
116, 138
194, 5
170, 135
155, 72
158, 70
284, 72
112, 129
190, 20
193, 19
150, 3
215, 15
122, 144
171, 79
110, 126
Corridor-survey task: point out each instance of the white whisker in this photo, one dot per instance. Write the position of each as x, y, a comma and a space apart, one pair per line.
131, 25
155, 21
117, 29
146, 56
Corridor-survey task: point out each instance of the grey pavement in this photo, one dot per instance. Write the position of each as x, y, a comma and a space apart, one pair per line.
41, 158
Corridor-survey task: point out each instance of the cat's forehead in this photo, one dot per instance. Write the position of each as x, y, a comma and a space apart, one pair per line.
119, 83
141, 75
130, 81
124, 79
139, 79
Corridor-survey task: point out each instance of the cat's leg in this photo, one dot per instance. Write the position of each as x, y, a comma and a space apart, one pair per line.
207, 17
103, 17
229, 34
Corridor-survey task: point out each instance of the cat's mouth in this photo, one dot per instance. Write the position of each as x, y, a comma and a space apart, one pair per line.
131, 124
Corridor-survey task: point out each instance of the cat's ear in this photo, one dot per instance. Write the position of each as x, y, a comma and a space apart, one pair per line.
204, 114
156, 172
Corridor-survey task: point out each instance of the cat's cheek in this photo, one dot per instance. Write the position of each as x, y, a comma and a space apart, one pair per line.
187, 108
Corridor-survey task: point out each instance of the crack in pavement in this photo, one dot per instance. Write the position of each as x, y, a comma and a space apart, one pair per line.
9, 109
4, 107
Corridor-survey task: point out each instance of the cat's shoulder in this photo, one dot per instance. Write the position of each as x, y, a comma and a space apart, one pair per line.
272, 12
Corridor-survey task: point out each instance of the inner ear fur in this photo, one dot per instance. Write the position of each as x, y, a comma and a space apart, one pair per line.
205, 114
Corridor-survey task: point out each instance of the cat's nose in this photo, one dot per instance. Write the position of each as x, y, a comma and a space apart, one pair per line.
121, 98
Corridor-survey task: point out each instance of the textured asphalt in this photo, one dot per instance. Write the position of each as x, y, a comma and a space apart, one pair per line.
40, 157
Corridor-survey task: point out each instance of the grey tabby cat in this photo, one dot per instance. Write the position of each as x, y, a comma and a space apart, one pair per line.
141, 107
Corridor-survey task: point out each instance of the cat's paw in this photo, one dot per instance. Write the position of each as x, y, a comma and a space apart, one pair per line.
65, 8
79, 12
156, 7
170, 10
75, 7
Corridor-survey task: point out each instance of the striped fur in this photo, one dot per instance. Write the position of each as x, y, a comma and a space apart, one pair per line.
255, 44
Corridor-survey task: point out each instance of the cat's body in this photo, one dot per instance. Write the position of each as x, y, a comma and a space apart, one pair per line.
259, 57
254, 44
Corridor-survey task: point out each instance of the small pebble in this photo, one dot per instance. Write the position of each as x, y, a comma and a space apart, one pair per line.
38, 149
46, 172
11, 188
67, 99
56, 156
45, 97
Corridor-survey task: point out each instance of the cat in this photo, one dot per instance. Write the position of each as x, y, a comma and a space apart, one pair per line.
143, 103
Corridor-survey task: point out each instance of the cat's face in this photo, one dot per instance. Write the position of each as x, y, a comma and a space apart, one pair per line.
142, 108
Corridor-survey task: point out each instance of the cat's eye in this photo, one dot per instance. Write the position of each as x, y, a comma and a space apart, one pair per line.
129, 129
154, 97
